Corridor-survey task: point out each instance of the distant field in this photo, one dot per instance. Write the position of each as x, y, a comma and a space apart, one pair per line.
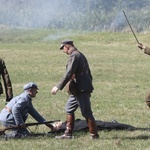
121, 78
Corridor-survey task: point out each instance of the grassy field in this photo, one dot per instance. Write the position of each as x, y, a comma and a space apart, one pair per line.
120, 76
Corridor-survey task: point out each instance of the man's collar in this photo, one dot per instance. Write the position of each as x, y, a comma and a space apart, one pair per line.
71, 50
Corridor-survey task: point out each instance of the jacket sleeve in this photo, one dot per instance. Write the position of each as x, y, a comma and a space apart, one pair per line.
70, 70
33, 112
147, 50
7, 83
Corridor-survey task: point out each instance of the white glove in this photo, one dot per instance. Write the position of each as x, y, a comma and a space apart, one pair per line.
54, 90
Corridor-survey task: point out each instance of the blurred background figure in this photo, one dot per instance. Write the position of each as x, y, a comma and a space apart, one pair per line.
6, 81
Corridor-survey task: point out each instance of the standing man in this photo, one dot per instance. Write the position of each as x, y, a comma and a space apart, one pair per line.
78, 70
16, 111
6, 81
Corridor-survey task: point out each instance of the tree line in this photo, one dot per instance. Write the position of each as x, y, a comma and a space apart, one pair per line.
89, 15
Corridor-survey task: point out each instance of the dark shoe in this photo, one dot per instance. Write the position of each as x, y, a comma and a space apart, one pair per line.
64, 136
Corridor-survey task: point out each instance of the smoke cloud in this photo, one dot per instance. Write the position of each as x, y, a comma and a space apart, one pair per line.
97, 15
32, 13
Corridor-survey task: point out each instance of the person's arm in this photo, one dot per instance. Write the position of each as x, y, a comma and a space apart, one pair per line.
34, 113
7, 83
38, 117
71, 67
146, 49
70, 70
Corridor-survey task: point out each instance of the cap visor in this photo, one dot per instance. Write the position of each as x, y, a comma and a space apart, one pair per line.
62, 46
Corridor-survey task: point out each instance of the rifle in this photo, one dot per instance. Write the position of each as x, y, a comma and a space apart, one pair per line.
131, 28
2, 131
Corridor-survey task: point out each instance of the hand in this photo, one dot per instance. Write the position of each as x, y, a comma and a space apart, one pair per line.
140, 45
54, 90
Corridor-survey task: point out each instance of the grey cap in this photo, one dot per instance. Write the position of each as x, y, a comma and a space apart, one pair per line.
30, 85
66, 42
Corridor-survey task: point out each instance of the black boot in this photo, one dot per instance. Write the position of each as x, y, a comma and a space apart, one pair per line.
69, 128
92, 128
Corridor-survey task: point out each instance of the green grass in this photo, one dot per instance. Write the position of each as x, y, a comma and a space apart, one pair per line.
120, 77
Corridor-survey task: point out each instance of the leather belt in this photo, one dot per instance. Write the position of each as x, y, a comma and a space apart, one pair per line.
8, 109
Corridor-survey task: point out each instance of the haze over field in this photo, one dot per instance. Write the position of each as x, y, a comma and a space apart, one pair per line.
97, 15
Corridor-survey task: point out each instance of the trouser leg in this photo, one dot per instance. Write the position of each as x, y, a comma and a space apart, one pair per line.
85, 105
21, 132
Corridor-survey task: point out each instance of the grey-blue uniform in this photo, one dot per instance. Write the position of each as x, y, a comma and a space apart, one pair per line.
17, 110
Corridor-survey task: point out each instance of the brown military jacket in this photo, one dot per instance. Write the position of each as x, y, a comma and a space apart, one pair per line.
6, 81
78, 65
